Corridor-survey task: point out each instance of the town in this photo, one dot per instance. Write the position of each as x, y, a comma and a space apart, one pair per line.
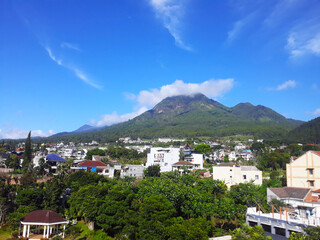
284, 176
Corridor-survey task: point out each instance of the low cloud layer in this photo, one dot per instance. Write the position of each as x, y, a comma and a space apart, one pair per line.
316, 112
114, 118
147, 99
211, 88
17, 133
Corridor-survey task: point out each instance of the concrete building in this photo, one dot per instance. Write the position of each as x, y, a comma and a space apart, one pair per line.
302, 210
196, 159
305, 171
165, 157
132, 171
233, 174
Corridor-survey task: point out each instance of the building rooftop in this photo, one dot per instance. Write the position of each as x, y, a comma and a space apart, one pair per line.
291, 192
54, 157
89, 163
43, 216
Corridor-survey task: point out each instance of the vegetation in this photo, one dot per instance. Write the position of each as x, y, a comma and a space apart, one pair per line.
308, 132
184, 116
169, 206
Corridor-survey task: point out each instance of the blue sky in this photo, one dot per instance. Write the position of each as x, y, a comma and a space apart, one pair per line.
68, 63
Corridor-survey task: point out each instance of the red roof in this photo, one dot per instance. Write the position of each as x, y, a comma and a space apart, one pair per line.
43, 216
89, 163
316, 191
316, 152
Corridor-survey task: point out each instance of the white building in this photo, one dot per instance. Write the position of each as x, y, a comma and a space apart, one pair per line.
232, 174
132, 171
196, 159
305, 171
165, 157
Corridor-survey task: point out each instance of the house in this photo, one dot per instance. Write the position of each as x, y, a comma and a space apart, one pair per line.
54, 160
182, 166
196, 159
165, 157
132, 171
95, 166
233, 174
304, 171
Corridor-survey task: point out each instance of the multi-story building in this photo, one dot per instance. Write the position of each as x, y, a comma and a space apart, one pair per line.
165, 157
233, 174
305, 171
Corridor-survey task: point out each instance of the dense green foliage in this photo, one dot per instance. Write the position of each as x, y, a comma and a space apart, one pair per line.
192, 116
308, 132
27, 156
166, 207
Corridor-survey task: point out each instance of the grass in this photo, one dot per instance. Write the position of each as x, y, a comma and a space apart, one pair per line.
5, 233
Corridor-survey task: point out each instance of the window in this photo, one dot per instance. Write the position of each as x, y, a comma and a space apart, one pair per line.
311, 183
244, 177
310, 171
257, 177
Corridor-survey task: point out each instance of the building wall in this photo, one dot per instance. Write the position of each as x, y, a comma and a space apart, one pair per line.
234, 175
133, 171
304, 171
164, 157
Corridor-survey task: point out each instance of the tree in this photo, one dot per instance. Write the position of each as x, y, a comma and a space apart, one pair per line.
152, 171
203, 148
27, 156
13, 162
249, 233
95, 151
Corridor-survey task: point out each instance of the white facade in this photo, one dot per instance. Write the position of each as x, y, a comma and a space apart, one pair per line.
233, 175
196, 159
164, 157
305, 171
132, 171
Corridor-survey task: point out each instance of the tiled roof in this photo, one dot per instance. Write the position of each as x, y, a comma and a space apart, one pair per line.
89, 163
249, 168
316, 152
55, 157
43, 216
291, 192
182, 163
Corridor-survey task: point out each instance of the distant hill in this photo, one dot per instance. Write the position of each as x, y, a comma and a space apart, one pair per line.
308, 132
82, 129
191, 116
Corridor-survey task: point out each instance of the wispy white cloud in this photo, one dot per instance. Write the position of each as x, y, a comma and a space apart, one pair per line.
114, 118
146, 99
70, 46
285, 85
316, 112
171, 12
282, 10
17, 133
239, 27
75, 70
57, 61
301, 43
211, 88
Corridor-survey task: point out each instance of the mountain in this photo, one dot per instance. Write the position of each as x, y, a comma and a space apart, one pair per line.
82, 129
308, 132
197, 115
85, 128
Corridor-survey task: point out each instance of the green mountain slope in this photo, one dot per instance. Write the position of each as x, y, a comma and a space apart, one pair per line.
308, 132
189, 116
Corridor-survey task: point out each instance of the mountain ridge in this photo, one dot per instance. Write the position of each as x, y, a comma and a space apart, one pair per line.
197, 115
